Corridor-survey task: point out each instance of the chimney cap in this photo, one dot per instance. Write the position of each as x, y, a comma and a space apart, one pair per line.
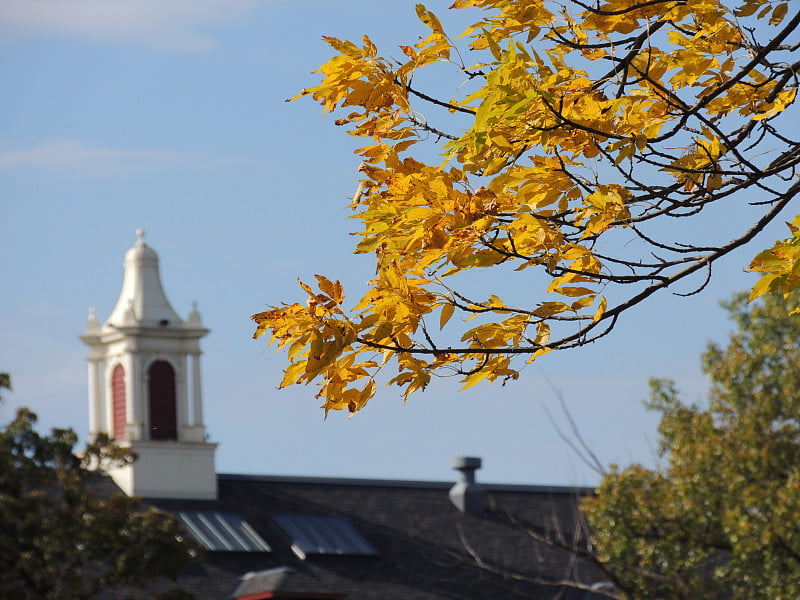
466, 462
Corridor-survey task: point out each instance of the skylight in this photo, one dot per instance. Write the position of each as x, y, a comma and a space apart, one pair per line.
324, 535
222, 532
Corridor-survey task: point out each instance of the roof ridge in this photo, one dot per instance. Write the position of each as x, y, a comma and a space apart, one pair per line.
409, 483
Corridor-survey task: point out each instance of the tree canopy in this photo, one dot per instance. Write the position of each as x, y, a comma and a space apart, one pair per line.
556, 164
5, 382
61, 540
720, 518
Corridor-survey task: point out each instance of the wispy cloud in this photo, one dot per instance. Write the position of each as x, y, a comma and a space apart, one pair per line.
87, 158
172, 25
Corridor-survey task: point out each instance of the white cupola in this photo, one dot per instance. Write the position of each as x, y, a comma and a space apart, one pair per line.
144, 386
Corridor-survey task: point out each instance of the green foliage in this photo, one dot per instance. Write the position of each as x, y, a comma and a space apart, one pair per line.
5, 382
720, 518
58, 538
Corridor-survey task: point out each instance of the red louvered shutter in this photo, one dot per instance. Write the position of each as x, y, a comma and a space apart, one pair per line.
118, 395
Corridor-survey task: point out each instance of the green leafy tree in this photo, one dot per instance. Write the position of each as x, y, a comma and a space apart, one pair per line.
61, 540
5, 383
720, 519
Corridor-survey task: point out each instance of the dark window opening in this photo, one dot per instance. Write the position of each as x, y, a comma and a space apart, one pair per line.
161, 401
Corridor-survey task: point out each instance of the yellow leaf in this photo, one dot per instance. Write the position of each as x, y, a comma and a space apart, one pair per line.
762, 286
305, 287
474, 378
292, 373
538, 353
447, 312
582, 303
428, 18
495, 301
601, 309
496, 52
779, 13
382, 332
573, 291
548, 309
317, 346
359, 399
542, 334
326, 286
295, 348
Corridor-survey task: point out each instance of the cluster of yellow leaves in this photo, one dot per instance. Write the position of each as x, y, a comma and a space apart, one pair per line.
511, 18
315, 337
700, 165
604, 207
780, 265
321, 341
776, 11
519, 186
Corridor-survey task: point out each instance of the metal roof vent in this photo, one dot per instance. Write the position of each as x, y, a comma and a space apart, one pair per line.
468, 496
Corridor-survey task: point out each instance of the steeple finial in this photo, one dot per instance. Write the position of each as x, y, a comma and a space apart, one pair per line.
92, 324
140, 237
194, 316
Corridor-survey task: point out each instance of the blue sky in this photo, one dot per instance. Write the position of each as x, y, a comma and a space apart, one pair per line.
169, 116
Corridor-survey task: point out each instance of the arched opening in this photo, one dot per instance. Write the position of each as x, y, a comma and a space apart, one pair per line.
161, 401
118, 402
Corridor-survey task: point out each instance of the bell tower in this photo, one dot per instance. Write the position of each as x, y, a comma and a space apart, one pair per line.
145, 386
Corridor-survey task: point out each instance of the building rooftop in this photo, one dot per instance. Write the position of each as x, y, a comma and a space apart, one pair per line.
385, 539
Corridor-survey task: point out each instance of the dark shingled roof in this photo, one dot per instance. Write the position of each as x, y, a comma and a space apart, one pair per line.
426, 548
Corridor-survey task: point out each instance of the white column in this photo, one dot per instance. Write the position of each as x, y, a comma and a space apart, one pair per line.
181, 396
136, 396
95, 409
108, 396
197, 398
